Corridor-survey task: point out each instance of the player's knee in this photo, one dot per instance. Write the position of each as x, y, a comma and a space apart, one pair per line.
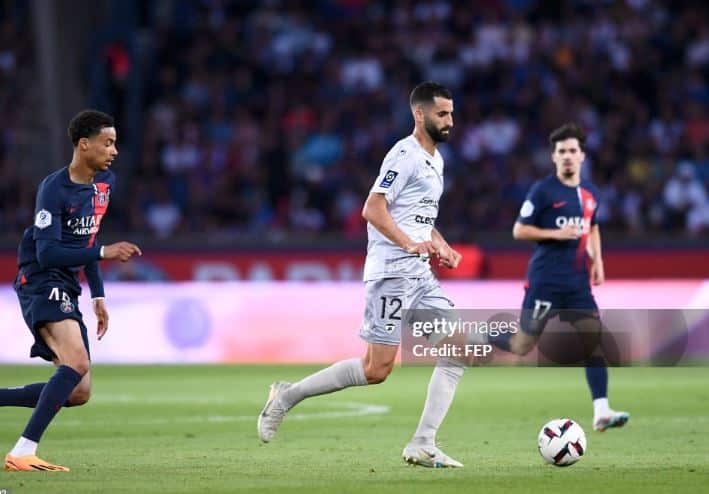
377, 374
79, 397
80, 363
522, 346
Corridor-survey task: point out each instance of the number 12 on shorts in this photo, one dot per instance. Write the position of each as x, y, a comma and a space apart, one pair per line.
393, 305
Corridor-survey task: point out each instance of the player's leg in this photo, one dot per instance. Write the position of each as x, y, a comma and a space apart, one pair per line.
65, 339
596, 369
589, 326
538, 306
373, 369
422, 449
28, 395
381, 328
21, 396
82, 392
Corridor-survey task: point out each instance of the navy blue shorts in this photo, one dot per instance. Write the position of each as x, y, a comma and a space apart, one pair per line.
43, 301
543, 302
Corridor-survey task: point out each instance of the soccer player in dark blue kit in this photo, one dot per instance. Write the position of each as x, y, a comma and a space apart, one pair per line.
69, 209
559, 214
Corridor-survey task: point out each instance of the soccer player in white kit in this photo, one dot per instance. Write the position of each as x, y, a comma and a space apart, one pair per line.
401, 210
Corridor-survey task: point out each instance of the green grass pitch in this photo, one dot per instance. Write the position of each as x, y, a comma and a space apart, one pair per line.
192, 429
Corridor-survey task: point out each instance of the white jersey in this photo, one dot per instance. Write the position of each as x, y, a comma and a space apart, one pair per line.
412, 183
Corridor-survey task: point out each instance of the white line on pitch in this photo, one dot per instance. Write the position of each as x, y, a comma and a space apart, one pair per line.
345, 410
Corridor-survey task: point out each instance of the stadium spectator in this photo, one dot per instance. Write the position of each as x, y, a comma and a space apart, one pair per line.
271, 115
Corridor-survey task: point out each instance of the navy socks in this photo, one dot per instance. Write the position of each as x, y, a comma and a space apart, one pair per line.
52, 397
21, 396
597, 377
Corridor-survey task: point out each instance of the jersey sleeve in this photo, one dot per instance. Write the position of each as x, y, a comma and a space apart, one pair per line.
48, 213
92, 271
394, 174
532, 206
51, 254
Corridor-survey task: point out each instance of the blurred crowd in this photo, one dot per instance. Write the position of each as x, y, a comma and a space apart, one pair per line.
17, 183
274, 116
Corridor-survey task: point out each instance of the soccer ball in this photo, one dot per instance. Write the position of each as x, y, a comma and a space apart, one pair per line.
562, 442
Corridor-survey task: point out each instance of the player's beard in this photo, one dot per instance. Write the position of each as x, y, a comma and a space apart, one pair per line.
436, 134
568, 172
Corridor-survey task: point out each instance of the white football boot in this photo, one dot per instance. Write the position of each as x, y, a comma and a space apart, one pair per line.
610, 419
428, 456
273, 413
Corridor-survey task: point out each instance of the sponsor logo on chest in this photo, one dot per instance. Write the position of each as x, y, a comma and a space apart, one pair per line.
85, 225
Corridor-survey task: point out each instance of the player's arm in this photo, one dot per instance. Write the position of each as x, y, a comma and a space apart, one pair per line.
93, 276
533, 233
376, 212
394, 174
51, 254
525, 228
448, 256
48, 234
593, 248
437, 238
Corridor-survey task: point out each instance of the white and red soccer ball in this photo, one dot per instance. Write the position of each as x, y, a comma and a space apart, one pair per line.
562, 442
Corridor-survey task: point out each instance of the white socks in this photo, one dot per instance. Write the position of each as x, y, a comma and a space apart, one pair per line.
342, 374
601, 407
24, 447
441, 390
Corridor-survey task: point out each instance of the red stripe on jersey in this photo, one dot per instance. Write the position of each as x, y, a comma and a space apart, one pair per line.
588, 205
100, 204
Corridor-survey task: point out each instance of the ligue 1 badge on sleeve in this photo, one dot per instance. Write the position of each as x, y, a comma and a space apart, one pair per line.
43, 219
389, 178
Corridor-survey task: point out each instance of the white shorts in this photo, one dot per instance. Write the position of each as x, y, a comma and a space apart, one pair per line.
389, 299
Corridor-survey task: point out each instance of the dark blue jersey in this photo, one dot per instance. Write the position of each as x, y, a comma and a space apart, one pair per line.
551, 204
67, 219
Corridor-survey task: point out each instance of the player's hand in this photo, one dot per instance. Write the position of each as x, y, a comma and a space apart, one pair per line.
423, 249
101, 317
569, 232
449, 257
598, 275
121, 251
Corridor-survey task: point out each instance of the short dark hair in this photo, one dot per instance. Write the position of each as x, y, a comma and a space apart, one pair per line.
88, 123
424, 93
567, 131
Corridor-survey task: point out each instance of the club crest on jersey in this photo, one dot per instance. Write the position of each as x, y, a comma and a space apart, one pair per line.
43, 219
389, 178
590, 204
66, 306
101, 196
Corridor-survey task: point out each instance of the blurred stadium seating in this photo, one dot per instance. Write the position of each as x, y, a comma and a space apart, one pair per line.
247, 125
